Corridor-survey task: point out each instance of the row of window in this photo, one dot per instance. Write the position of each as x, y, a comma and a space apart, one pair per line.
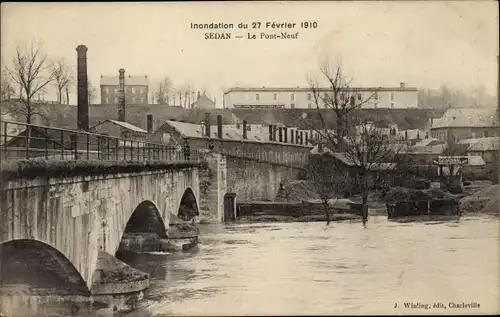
442, 135
107, 99
325, 95
133, 90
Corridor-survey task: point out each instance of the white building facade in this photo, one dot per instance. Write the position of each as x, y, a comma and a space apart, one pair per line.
401, 97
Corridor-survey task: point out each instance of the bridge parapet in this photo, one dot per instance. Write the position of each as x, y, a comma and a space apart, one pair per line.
25, 141
276, 153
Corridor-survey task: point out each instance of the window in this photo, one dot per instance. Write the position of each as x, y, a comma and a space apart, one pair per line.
392, 104
359, 97
107, 100
275, 96
308, 96
342, 96
485, 134
257, 97
142, 90
473, 135
133, 99
133, 90
292, 96
292, 105
392, 96
116, 99
309, 106
142, 100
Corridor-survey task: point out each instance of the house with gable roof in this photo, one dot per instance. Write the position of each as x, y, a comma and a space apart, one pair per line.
458, 124
203, 102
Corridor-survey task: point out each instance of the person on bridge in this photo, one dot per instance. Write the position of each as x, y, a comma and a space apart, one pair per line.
187, 150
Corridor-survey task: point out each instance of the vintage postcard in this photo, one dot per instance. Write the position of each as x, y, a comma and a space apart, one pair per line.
249, 158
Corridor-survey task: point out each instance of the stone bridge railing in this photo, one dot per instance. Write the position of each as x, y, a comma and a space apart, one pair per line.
276, 153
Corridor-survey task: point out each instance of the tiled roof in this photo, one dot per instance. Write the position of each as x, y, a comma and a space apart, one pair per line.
469, 117
129, 81
430, 149
481, 144
125, 125
187, 129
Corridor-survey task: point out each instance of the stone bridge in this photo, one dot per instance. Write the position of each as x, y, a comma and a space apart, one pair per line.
70, 222
250, 171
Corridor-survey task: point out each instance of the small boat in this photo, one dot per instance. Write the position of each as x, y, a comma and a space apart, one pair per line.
182, 234
424, 210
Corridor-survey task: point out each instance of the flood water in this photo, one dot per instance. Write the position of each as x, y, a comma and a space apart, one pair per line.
345, 268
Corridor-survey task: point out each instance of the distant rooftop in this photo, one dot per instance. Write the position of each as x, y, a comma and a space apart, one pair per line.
129, 81
467, 117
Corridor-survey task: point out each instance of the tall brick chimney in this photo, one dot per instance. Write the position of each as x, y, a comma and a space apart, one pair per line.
219, 126
82, 83
149, 123
244, 129
207, 124
121, 106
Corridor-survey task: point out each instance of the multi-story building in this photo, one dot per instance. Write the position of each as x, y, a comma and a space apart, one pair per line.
401, 97
136, 89
470, 123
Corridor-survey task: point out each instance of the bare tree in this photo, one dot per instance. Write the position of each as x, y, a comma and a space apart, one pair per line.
449, 170
92, 92
162, 91
370, 150
325, 180
335, 101
32, 73
63, 78
362, 146
6, 88
185, 93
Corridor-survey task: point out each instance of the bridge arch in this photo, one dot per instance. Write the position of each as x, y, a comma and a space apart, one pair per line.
188, 205
145, 220
39, 265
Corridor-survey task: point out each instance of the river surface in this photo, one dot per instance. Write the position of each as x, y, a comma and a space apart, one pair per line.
345, 268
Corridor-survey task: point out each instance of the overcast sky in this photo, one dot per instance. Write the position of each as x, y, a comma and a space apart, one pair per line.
425, 44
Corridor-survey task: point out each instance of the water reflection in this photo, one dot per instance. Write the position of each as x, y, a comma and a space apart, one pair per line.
309, 268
